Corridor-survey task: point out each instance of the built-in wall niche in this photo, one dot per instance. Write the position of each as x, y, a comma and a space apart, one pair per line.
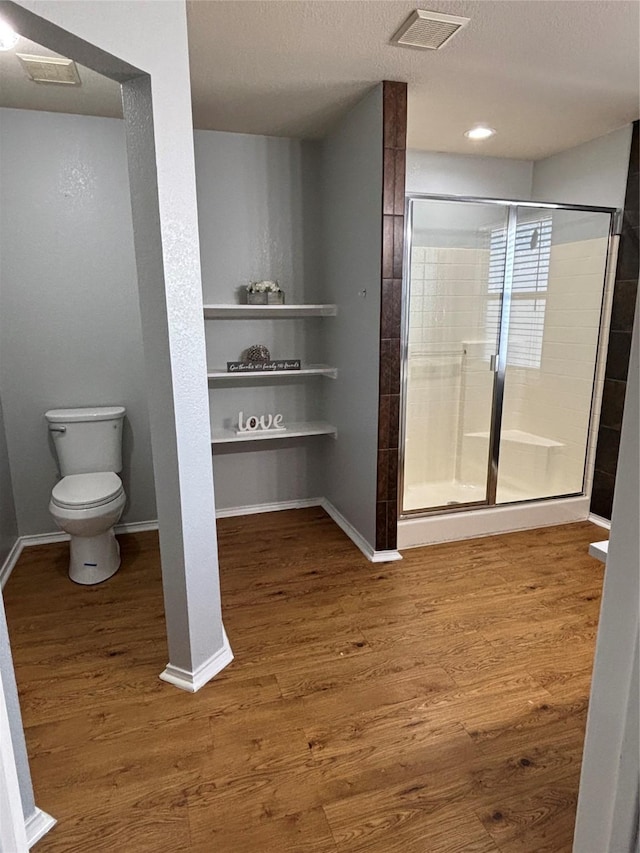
270, 393
267, 228
309, 216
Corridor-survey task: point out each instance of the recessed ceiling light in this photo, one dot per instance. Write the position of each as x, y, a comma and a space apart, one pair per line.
480, 131
8, 37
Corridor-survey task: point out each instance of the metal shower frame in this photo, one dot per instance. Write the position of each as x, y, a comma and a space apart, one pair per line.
501, 361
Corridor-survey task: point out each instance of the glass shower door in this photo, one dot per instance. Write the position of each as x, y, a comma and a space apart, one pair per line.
452, 311
554, 285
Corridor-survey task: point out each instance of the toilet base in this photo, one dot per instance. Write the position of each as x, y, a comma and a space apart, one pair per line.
94, 558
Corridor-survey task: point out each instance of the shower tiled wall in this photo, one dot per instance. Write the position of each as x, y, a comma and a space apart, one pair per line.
394, 119
624, 304
449, 388
449, 382
554, 401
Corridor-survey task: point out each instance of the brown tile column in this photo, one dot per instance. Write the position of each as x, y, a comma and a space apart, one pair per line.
395, 145
624, 301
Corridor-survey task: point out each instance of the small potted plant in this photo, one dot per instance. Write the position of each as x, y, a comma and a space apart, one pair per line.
264, 293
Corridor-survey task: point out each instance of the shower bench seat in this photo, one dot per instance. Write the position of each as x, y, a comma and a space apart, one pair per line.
518, 436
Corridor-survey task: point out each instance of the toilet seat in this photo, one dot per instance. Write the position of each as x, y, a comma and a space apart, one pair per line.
84, 491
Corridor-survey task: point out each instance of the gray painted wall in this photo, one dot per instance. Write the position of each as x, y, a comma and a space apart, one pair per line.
592, 173
352, 229
607, 803
258, 217
70, 331
8, 523
161, 156
463, 174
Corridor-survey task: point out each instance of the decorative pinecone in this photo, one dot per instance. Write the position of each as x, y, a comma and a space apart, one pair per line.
257, 353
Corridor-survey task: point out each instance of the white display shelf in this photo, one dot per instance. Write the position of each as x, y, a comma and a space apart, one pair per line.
306, 370
261, 312
294, 430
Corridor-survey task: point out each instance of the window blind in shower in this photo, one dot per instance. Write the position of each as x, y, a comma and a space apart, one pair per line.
529, 290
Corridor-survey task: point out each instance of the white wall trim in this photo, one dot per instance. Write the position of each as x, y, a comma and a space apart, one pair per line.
600, 521
44, 538
137, 526
385, 556
357, 539
228, 512
11, 559
599, 550
23, 542
457, 526
192, 681
13, 836
328, 507
254, 509
38, 825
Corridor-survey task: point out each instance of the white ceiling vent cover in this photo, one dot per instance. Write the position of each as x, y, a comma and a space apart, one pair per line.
50, 69
428, 30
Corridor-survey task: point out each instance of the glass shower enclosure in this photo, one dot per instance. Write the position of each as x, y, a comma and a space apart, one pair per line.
501, 320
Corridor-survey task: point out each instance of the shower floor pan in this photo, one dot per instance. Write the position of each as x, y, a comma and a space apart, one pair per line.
452, 493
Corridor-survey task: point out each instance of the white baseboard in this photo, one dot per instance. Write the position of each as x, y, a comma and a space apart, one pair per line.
385, 556
599, 550
303, 503
44, 538
38, 825
59, 536
600, 521
192, 681
10, 561
357, 539
136, 526
254, 509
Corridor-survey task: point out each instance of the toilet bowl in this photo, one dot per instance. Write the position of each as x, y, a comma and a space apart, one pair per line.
89, 499
87, 506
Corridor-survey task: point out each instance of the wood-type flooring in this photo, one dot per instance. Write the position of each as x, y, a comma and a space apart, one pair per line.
433, 705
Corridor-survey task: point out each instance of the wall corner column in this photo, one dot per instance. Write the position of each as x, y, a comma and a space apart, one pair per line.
394, 112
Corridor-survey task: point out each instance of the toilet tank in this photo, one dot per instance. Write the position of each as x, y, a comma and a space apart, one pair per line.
87, 440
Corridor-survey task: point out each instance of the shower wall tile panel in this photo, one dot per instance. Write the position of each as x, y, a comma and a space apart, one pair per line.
555, 401
394, 159
624, 304
612, 404
449, 389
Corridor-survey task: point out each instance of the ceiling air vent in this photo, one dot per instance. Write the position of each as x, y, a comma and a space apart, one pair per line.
429, 30
50, 69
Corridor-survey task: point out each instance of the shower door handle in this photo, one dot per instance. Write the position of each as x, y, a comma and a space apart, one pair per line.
493, 362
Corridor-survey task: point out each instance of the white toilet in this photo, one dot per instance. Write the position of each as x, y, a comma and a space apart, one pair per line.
89, 498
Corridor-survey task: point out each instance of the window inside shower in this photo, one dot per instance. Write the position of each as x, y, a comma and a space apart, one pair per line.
529, 291
502, 310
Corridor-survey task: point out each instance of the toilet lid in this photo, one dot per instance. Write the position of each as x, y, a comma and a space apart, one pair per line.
86, 490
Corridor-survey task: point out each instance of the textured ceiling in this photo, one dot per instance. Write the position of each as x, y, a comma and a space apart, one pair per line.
547, 74
97, 95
